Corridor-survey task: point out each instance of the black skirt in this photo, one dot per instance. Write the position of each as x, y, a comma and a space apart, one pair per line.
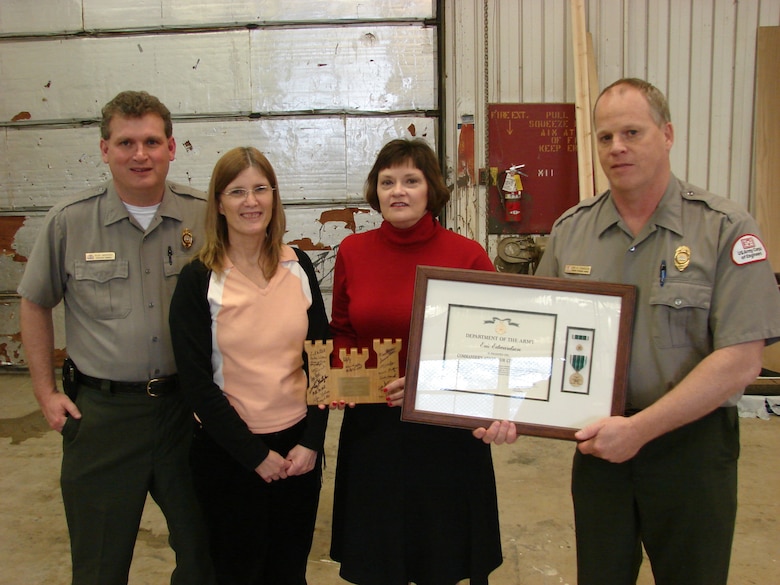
412, 502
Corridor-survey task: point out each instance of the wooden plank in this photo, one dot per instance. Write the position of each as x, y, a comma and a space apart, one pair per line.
582, 106
767, 150
600, 181
767, 146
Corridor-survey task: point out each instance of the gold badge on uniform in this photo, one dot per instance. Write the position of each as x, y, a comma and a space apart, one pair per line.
187, 238
682, 257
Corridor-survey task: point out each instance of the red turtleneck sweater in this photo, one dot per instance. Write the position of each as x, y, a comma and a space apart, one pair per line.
374, 277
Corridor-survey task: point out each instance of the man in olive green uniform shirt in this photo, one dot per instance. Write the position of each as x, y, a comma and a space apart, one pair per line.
113, 254
664, 475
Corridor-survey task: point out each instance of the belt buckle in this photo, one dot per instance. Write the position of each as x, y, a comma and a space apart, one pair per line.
149, 390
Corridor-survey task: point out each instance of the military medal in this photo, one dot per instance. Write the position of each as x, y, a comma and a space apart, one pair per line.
682, 257
577, 362
187, 238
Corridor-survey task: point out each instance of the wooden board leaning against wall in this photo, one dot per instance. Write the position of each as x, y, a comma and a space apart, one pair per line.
767, 153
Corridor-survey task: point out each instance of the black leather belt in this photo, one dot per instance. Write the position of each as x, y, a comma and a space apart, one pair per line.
154, 387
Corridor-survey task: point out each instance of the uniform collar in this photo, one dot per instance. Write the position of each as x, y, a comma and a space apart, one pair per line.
116, 210
608, 215
668, 214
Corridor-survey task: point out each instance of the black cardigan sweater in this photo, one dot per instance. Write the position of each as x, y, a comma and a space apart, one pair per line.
190, 322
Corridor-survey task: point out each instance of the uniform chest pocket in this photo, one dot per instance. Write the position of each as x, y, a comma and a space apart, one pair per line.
173, 264
680, 314
102, 288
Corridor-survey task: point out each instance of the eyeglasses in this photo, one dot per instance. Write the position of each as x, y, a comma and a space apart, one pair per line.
244, 193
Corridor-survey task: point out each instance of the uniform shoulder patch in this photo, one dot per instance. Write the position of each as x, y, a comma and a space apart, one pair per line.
748, 248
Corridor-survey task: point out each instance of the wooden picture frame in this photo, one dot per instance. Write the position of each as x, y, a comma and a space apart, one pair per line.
549, 354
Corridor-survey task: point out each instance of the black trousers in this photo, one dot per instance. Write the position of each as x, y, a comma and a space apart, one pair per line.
677, 496
124, 447
260, 533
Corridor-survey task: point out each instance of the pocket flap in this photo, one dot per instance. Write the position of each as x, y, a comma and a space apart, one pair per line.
101, 271
682, 295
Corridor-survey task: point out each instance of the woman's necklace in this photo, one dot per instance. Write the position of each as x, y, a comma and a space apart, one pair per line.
251, 270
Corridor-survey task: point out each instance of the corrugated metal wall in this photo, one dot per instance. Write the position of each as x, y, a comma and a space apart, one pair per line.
701, 53
322, 85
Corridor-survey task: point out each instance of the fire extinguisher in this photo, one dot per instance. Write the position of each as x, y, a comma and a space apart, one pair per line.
512, 192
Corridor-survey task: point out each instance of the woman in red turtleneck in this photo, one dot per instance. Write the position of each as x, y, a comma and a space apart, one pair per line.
412, 502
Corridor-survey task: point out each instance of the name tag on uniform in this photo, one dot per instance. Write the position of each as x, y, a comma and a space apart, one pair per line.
575, 269
93, 256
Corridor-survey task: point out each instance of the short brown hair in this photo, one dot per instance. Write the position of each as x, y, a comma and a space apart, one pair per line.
659, 107
134, 104
228, 167
422, 157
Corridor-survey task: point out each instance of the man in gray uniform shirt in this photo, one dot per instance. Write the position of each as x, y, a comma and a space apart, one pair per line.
665, 474
113, 254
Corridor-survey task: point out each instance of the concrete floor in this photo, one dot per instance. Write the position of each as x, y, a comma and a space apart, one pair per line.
533, 478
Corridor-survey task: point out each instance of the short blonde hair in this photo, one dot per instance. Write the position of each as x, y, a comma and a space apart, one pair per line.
659, 107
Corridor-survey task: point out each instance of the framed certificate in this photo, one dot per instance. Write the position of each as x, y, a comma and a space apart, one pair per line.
549, 354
